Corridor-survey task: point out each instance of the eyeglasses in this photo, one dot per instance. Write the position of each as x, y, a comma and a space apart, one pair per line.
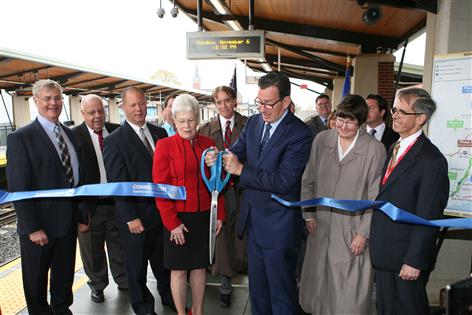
47, 99
349, 123
92, 113
401, 112
259, 103
225, 101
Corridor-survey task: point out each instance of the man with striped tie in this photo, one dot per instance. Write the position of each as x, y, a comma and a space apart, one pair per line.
230, 253
103, 226
44, 155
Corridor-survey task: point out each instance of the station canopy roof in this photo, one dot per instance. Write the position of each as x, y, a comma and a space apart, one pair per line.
315, 38
18, 72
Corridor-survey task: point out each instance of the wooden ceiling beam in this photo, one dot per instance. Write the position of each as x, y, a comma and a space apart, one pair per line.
20, 73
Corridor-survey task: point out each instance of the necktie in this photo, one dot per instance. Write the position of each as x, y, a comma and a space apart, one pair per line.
373, 132
393, 159
146, 142
100, 138
64, 152
266, 137
228, 133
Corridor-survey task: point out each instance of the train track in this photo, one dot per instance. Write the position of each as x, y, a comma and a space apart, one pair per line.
7, 214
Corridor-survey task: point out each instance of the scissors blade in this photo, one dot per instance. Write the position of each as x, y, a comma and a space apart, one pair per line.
213, 218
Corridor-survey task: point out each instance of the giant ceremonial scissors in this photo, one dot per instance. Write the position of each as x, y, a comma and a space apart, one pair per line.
215, 184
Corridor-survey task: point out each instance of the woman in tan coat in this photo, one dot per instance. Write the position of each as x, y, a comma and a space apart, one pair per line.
345, 163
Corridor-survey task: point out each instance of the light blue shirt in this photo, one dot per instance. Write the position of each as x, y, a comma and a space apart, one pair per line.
49, 129
274, 125
170, 130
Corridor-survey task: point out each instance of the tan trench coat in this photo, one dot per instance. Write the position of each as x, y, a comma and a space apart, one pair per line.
230, 251
333, 281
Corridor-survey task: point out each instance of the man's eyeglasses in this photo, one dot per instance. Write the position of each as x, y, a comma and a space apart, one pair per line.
259, 103
349, 123
401, 112
47, 99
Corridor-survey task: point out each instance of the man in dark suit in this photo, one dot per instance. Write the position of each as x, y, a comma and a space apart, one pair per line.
378, 112
103, 227
320, 121
230, 251
269, 157
44, 155
128, 157
415, 179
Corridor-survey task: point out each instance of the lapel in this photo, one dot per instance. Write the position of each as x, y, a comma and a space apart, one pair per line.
136, 142
47, 142
86, 139
281, 130
238, 126
216, 132
358, 148
408, 160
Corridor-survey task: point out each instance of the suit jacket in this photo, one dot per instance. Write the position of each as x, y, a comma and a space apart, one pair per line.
316, 125
277, 169
389, 137
88, 159
213, 130
34, 164
419, 184
127, 160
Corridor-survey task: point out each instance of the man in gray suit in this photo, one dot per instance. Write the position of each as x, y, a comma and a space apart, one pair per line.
319, 122
103, 226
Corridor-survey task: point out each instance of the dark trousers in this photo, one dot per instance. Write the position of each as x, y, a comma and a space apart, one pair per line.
59, 256
103, 229
138, 249
401, 297
272, 285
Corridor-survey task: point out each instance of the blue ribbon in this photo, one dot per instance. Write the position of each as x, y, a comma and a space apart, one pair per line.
132, 189
395, 213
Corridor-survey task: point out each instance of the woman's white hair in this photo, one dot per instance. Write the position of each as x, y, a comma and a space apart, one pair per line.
186, 103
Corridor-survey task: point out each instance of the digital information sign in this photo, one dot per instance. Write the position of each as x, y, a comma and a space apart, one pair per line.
225, 45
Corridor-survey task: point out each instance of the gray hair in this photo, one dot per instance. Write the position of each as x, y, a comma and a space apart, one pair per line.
422, 101
186, 103
45, 84
88, 98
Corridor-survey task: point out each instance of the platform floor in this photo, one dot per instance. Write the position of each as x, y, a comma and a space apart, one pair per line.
116, 302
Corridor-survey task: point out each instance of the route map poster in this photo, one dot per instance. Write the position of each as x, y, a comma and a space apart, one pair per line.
450, 127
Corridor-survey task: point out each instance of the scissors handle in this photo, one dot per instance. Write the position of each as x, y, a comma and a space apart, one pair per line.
214, 182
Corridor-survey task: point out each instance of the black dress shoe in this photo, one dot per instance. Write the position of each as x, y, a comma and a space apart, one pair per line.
225, 300
97, 296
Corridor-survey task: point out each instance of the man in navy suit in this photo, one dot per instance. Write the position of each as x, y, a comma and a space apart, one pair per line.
270, 156
103, 227
378, 112
128, 155
414, 179
44, 155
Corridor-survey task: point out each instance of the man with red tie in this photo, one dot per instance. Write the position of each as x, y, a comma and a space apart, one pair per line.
103, 225
414, 179
230, 251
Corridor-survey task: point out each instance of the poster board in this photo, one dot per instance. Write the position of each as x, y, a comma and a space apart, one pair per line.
450, 128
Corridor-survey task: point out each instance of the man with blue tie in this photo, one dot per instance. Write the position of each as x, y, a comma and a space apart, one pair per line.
270, 156
44, 155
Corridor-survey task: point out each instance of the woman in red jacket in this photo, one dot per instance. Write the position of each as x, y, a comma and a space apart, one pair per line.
186, 233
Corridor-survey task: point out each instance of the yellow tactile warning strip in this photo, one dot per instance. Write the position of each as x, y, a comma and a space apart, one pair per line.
12, 299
